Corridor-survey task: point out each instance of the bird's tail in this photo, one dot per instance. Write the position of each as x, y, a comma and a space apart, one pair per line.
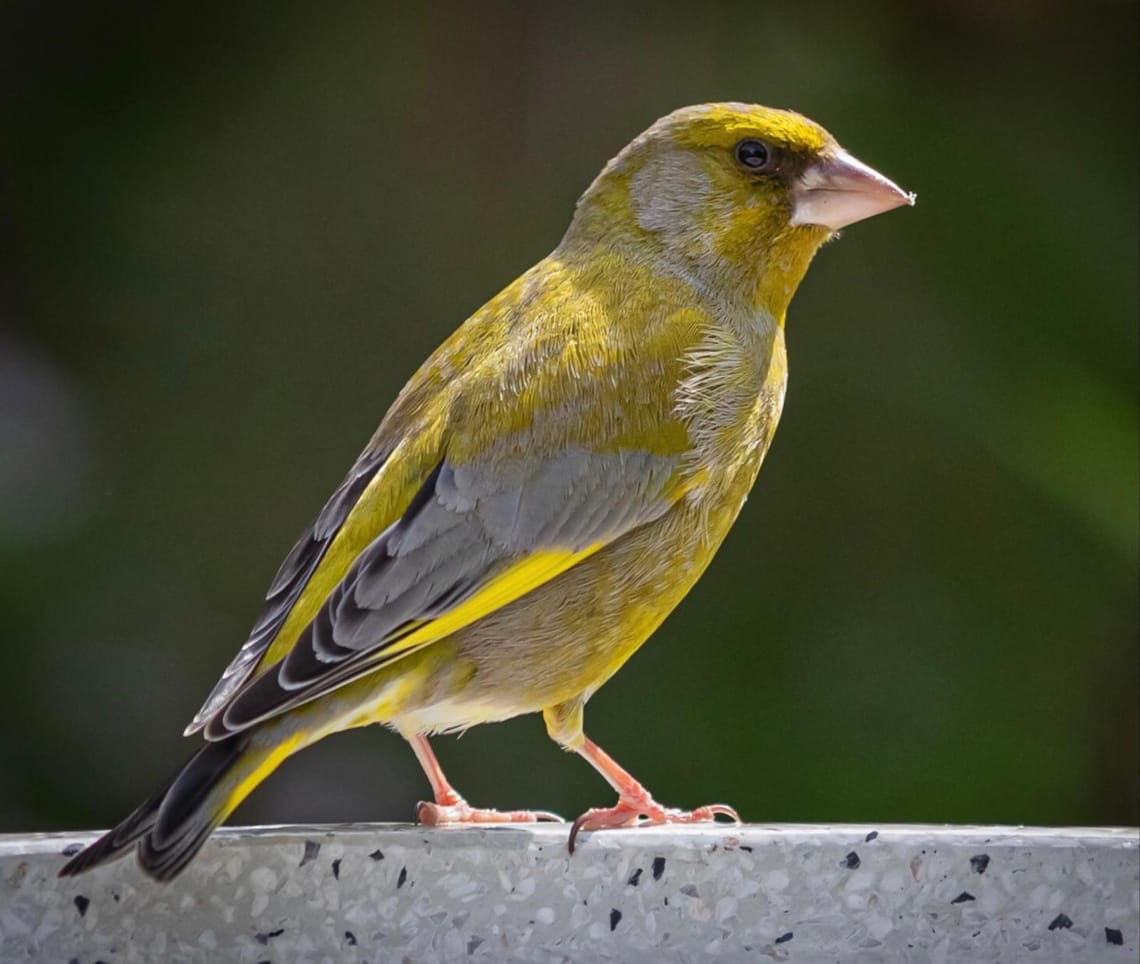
171, 826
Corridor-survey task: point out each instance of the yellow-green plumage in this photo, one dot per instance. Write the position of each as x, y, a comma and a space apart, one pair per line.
546, 488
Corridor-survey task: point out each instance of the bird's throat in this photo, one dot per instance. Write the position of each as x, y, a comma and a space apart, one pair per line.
779, 275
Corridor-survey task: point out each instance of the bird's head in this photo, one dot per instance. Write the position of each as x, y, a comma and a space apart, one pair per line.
736, 198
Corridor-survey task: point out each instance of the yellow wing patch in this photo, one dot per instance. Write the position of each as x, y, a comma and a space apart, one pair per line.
522, 577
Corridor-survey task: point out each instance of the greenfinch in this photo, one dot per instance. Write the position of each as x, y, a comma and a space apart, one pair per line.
547, 487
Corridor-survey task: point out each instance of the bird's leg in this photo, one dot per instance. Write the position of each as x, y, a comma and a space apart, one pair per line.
634, 806
450, 807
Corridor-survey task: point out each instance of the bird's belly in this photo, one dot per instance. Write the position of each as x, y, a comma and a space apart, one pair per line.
454, 713
570, 635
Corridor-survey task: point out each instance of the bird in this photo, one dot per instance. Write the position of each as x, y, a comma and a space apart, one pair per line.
546, 488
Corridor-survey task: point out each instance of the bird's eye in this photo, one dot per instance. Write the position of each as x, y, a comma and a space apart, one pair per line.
755, 155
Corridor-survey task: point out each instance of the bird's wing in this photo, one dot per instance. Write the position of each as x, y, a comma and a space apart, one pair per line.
510, 473
472, 541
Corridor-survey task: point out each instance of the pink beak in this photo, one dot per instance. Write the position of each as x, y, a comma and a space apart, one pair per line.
838, 190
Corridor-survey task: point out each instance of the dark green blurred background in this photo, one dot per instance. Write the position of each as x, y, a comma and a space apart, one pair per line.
230, 236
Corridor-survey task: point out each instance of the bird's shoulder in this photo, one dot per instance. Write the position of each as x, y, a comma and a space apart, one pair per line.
568, 355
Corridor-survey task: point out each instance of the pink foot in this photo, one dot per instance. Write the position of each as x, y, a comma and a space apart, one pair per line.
460, 811
643, 810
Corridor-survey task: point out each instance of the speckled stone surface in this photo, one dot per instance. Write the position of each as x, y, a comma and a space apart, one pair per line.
394, 893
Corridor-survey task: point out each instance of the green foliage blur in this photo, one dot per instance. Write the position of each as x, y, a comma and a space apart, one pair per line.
231, 232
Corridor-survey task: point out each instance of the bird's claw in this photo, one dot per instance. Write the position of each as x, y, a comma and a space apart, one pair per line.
645, 811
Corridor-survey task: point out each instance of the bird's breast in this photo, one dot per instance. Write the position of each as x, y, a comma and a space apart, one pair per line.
730, 401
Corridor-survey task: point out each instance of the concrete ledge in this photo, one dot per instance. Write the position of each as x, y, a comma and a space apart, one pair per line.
396, 893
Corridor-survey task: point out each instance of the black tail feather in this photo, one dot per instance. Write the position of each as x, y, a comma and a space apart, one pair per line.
117, 841
172, 825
